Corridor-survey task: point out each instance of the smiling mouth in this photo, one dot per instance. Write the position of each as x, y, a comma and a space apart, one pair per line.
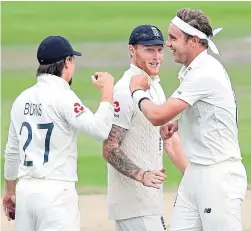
154, 64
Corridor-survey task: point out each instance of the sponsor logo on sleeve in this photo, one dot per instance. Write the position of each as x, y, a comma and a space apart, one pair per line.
78, 109
116, 108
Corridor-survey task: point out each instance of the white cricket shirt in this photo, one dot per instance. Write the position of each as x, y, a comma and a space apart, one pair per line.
45, 120
128, 198
208, 128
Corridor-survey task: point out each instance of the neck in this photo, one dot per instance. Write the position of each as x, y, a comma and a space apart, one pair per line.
192, 56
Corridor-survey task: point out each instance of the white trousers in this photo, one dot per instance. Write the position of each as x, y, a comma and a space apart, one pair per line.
209, 198
144, 223
46, 205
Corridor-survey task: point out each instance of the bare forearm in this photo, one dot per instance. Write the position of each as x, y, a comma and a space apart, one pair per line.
118, 159
175, 152
152, 112
161, 114
10, 186
158, 114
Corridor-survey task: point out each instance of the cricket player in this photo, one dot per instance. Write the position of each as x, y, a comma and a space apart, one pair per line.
42, 144
214, 184
134, 147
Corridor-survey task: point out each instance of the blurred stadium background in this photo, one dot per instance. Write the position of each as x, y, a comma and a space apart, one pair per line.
100, 30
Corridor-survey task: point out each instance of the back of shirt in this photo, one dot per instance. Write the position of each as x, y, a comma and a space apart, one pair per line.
45, 120
42, 133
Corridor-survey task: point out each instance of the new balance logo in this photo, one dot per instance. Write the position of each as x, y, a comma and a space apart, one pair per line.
207, 210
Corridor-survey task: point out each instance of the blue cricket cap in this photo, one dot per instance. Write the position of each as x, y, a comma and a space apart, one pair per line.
53, 49
146, 35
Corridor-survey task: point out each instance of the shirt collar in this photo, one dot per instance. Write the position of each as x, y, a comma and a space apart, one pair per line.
195, 63
53, 79
137, 70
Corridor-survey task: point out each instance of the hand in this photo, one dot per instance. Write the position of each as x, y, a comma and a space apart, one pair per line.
9, 204
139, 82
154, 178
168, 129
102, 80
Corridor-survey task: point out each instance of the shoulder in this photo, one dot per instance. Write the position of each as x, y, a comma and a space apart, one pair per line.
210, 68
24, 95
124, 82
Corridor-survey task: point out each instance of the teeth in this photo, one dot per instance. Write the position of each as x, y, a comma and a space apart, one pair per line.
154, 64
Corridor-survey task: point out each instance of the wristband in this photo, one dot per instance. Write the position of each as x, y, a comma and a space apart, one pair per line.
138, 96
143, 175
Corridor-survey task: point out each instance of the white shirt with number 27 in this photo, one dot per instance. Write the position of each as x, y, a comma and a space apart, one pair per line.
45, 121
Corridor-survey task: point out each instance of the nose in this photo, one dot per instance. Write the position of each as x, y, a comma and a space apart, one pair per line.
168, 43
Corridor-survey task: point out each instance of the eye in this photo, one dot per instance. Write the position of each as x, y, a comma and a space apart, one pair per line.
150, 49
171, 38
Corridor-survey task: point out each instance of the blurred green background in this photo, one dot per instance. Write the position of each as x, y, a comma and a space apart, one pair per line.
101, 30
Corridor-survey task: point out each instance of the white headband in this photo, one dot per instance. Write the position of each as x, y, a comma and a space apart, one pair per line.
185, 27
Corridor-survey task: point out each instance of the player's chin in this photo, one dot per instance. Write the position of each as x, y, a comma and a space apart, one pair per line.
176, 58
154, 70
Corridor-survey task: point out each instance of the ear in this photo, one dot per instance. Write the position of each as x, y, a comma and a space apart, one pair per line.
131, 50
66, 62
195, 40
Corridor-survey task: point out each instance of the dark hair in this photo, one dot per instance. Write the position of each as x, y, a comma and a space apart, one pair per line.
53, 69
197, 19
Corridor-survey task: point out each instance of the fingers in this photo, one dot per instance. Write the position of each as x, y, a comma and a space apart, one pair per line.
154, 186
157, 182
163, 170
94, 79
160, 173
166, 133
13, 199
139, 82
7, 213
172, 129
102, 80
5, 210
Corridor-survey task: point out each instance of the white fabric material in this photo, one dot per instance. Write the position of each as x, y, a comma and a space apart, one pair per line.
48, 116
143, 145
210, 198
138, 95
146, 223
208, 128
185, 27
46, 205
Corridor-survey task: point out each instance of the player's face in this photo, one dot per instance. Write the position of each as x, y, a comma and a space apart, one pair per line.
178, 44
148, 58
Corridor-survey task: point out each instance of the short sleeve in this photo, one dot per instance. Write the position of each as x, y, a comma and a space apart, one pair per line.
194, 87
124, 108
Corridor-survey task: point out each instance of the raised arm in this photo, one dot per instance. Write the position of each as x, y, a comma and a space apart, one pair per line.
194, 87
97, 125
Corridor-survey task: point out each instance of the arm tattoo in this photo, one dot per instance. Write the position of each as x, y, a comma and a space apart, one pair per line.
115, 156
